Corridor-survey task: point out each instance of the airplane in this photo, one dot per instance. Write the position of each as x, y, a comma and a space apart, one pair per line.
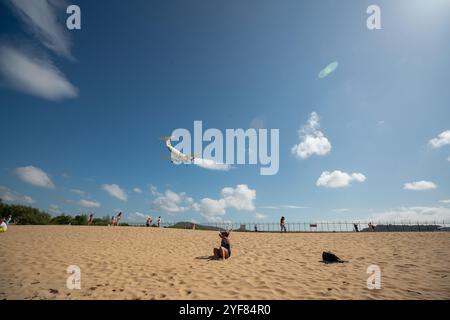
176, 155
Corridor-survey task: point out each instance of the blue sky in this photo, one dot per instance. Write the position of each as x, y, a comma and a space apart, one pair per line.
82, 111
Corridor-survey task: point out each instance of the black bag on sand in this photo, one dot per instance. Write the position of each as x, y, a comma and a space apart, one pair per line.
329, 257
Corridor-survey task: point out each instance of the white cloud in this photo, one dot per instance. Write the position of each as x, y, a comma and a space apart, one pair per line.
283, 206
287, 206
35, 76
154, 191
78, 191
442, 139
445, 201
419, 185
312, 140
340, 210
172, 202
34, 176
40, 16
54, 209
115, 191
338, 179
260, 216
137, 217
90, 203
211, 164
414, 214
239, 198
211, 210
137, 190
8, 195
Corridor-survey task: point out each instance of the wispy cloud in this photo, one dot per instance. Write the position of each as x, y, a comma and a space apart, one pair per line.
419, 185
137, 190
89, 203
338, 179
137, 217
25, 72
415, 214
329, 69
41, 19
78, 191
441, 140
283, 206
312, 140
35, 176
340, 210
115, 191
8, 195
54, 209
260, 216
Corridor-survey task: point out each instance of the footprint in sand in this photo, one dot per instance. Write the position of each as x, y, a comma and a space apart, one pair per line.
185, 292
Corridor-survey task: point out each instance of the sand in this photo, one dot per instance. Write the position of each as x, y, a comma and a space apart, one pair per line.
151, 263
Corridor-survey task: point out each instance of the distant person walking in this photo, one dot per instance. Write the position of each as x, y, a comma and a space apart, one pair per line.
355, 225
90, 219
282, 225
256, 228
119, 218
159, 221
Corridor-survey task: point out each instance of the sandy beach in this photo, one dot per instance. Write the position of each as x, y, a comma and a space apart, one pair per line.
151, 263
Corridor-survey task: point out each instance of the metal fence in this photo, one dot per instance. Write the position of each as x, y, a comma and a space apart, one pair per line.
323, 226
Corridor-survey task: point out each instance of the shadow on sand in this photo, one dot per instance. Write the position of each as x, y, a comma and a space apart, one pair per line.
207, 258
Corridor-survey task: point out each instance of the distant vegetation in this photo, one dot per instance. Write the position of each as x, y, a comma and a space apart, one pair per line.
25, 215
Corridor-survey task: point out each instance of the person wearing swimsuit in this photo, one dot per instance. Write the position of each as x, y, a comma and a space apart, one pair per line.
224, 251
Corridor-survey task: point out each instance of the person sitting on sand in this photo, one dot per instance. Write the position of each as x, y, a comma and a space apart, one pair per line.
3, 226
224, 251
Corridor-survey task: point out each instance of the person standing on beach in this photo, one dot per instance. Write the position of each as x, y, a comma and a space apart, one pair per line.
148, 223
91, 219
119, 218
159, 221
355, 225
282, 225
113, 221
